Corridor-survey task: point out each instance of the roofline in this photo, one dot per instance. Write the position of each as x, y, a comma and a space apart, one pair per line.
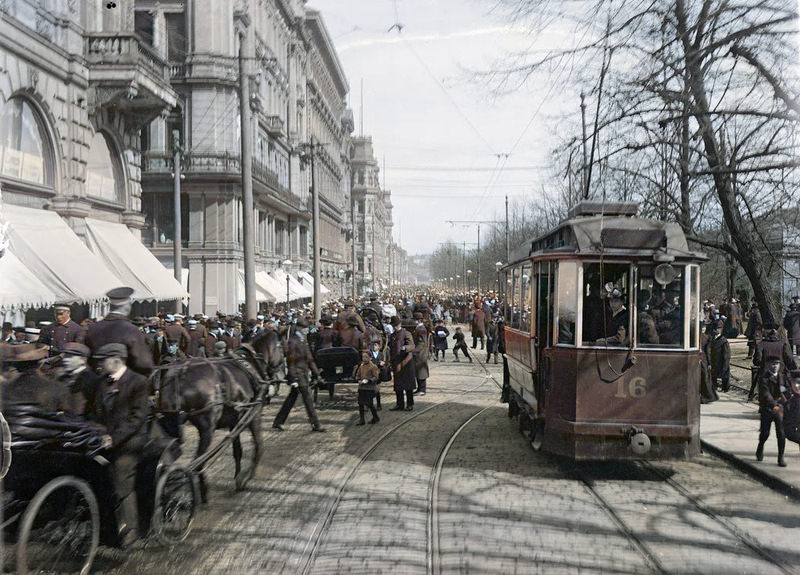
317, 23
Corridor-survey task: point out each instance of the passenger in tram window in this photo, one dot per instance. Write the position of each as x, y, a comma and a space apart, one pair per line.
645, 322
617, 317
670, 316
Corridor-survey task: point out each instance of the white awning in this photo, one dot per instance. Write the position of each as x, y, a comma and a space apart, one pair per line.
132, 262
56, 256
296, 291
271, 286
308, 281
261, 293
20, 288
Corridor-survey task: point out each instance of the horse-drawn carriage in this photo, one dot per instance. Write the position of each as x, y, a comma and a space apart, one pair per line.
337, 364
59, 501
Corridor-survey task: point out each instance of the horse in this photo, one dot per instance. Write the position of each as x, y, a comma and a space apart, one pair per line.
215, 393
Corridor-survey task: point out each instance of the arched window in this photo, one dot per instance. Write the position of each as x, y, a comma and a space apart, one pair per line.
26, 153
103, 171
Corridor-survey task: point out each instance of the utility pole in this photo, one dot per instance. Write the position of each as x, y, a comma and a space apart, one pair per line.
353, 244
585, 193
315, 231
250, 303
508, 247
478, 223
177, 256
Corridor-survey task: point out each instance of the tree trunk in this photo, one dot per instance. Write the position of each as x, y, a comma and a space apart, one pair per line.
740, 235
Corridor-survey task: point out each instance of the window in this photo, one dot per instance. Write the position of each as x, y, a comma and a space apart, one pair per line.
143, 25
525, 298
660, 306
567, 293
515, 298
103, 171
176, 36
25, 150
158, 211
606, 318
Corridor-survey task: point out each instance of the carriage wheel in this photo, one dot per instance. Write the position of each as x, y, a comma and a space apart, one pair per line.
175, 504
60, 529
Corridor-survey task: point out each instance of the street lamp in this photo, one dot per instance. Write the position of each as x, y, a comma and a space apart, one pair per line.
469, 286
497, 266
286, 264
341, 281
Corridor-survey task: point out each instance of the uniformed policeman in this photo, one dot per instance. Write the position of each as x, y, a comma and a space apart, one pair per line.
117, 328
298, 363
63, 331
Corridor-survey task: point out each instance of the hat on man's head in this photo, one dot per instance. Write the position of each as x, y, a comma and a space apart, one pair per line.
120, 295
111, 350
22, 353
75, 348
395, 320
62, 305
32, 330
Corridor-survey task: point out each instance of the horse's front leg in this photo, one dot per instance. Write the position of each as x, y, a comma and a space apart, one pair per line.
205, 429
237, 460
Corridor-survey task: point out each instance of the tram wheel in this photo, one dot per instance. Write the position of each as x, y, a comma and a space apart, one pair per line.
60, 529
175, 505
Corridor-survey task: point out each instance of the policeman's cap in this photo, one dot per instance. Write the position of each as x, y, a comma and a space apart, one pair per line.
75, 348
61, 306
111, 350
119, 295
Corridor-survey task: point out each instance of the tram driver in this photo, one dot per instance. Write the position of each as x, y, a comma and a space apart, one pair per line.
616, 317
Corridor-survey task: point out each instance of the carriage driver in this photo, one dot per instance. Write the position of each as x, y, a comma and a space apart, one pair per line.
119, 402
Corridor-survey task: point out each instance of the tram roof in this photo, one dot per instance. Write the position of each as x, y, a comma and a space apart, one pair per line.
612, 229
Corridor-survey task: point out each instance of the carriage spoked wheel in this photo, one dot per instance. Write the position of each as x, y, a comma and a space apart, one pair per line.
60, 529
176, 499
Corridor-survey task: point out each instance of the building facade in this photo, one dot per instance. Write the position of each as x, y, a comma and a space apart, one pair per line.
372, 215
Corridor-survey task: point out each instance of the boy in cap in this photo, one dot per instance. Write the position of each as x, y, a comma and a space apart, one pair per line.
119, 401
460, 344
367, 375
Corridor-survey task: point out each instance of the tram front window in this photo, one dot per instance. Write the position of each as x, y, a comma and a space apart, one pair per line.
606, 318
660, 307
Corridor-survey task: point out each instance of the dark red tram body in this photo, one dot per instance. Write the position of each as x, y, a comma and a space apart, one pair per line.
602, 337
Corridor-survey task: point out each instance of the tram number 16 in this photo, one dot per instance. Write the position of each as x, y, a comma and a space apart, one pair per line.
635, 387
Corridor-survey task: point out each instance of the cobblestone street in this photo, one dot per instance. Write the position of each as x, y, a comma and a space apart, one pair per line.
358, 500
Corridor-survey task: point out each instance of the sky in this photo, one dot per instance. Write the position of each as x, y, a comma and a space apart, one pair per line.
448, 148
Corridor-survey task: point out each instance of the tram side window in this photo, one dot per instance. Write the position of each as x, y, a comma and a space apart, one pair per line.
567, 302
660, 306
525, 297
606, 318
508, 295
515, 299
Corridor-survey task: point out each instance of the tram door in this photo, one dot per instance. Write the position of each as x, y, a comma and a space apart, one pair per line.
543, 299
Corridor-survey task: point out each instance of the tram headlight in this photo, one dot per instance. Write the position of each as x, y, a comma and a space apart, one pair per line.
640, 443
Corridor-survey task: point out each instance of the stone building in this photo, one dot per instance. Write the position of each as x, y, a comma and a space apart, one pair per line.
372, 214
76, 87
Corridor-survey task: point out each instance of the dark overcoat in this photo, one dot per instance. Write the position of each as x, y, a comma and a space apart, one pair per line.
792, 324
719, 357
61, 333
421, 346
122, 407
116, 328
401, 356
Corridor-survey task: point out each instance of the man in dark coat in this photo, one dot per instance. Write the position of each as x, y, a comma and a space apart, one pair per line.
117, 328
478, 326
404, 372
773, 346
119, 401
753, 331
197, 339
791, 321
440, 334
421, 348
773, 390
299, 362
177, 334
64, 330
327, 337
25, 384
719, 352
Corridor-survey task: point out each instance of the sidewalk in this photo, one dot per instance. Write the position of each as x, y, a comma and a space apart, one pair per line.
729, 429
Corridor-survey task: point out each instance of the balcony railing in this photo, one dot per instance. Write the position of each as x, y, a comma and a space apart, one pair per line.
274, 125
123, 49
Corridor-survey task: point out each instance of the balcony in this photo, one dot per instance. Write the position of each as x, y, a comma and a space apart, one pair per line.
274, 125
128, 76
194, 164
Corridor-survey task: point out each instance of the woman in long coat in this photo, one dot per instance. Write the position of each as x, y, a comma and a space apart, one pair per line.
404, 371
421, 347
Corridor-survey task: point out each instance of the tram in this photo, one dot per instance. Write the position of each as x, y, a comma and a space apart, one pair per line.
602, 330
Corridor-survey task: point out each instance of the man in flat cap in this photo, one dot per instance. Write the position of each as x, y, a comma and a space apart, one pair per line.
63, 331
118, 400
117, 328
25, 383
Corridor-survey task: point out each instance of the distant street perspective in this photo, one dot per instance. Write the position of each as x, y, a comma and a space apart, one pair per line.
399, 286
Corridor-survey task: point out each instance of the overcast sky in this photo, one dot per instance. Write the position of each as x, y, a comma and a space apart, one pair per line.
440, 133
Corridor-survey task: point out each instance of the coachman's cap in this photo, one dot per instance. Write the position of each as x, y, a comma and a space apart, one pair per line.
75, 348
120, 295
62, 305
111, 350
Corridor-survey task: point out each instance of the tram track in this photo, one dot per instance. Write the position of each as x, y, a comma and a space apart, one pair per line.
319, 533
650, 556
